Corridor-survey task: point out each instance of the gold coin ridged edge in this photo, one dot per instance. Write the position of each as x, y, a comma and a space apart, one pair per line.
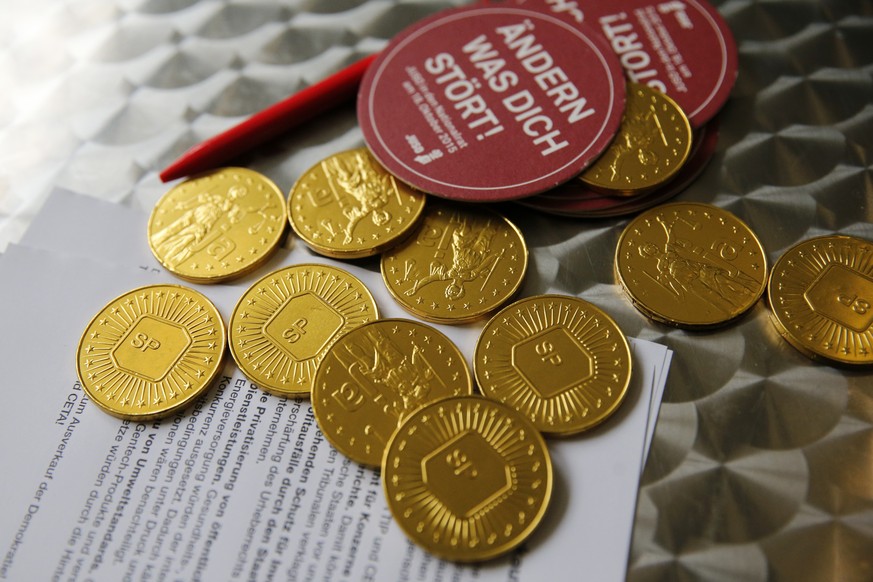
335, 253
551, 432
253, 265
459, 320
319, 412
219, 364
640, 306
243, 367
531, 525
780, 326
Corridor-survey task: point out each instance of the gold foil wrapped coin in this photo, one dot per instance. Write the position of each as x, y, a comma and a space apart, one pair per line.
560, 361
348, 206
218, 225
283, 325
690, 265
821, 298
375, 376
151, 351
652, 144
467, 478
459, 265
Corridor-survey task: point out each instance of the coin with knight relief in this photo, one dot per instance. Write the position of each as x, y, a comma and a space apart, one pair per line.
459, 265
285, 322
218, 225
691, 265
374, 376
467, 478
151, 351
347, 206
562, 362
651, 146
821, 298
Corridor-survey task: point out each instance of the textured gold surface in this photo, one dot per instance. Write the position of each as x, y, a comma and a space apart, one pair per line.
467, 478
821, 297
691, 265
560, 361
651, 145
283, 325
218, 225
151, 351
760, 467
459, 265
376, 375
348, 206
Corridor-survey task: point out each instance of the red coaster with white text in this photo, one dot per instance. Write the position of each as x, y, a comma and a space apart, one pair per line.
683, 48
491, 103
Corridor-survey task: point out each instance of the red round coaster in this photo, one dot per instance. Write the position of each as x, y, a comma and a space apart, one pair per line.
491, 103
683, 48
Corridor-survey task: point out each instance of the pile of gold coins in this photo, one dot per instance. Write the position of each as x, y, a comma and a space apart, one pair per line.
467, 476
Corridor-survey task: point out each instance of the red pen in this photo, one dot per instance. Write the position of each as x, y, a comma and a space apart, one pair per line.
269, 123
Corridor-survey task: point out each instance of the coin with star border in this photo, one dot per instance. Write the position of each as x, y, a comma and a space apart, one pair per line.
376, 375
467, 478
461, 263
218, 225
691, 265
821, 298
151, 351
283, 325
562, 362
348, 206
651, 146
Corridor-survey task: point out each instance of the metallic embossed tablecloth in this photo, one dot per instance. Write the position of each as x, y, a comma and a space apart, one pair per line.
762, 463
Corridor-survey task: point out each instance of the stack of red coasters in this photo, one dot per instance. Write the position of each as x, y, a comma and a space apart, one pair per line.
509, 102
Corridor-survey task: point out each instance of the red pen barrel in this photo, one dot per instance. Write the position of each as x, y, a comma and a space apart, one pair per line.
270, 123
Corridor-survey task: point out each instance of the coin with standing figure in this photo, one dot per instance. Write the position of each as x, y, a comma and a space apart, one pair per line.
562, 362
467, 478
459, 265
691, 265
376, 375
821, 298
284, 323
151, 351
651, 146
348, 206
218, 225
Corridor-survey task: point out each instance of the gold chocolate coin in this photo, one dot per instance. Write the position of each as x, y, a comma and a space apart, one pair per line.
283, 325
821, 298
467, 478
690, 265
375, 376
151, 351
560, 361
348, 206
460, 264
652, 144
218, 225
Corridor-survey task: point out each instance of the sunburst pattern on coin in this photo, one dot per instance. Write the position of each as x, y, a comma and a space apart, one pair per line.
377, 374
652, 144
151, 351
467, 478
821, 297
691, 265
218, 225
560, 361
459, 265
284, 324
348, 206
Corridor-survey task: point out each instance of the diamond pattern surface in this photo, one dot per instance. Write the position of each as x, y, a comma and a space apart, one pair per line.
762, 462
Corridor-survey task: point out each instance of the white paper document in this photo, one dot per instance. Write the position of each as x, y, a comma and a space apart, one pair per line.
242, 484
